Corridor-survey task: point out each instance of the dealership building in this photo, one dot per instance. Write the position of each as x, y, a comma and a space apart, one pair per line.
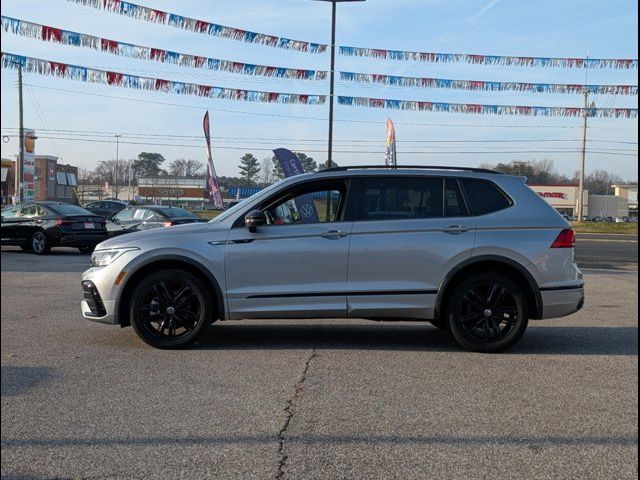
563, 198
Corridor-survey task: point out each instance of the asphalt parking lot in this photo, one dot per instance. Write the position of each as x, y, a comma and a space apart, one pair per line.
320, 399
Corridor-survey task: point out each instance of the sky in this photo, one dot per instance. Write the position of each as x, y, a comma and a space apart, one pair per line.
90, 115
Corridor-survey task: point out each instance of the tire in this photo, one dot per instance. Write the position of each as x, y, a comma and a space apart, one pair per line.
87, 249
40, 244
441, 324
487, 312
170, 309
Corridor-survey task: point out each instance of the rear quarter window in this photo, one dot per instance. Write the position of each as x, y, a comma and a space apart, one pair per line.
484, 196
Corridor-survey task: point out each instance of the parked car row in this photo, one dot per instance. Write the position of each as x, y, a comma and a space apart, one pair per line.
38, 227
607, 219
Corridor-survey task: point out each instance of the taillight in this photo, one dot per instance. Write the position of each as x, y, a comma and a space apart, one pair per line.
59, 222
167, 224
566, 239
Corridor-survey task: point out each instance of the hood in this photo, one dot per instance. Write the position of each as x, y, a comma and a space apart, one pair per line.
177, 231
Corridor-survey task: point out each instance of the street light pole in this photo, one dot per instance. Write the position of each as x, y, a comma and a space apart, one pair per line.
115, 181
332, 75
20, 161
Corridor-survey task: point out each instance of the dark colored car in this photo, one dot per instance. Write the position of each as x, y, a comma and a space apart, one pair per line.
39, 226
106, 208
133, 219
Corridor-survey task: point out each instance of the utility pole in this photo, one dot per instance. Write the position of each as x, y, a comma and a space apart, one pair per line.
332, 75
115, 180
20, 162
583, 154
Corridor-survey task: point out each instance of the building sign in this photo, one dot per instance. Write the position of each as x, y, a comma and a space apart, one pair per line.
170, 192
552, 194
29, 165
173, 192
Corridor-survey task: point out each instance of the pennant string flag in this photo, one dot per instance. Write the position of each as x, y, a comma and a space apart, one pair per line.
515, 61
534, 111
104, 77
65, 37
421, 82
140, 12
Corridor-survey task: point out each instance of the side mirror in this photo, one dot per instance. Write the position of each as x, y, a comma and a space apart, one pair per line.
254, 219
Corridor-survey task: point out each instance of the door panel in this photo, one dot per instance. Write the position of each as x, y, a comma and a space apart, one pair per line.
397, 266
288, 271
296, 265
408, 233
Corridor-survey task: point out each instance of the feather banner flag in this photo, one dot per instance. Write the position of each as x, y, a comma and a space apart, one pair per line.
488, 86
477, 109
140, 12
391, 157
93, 75
65, 37
213, 189
502, 60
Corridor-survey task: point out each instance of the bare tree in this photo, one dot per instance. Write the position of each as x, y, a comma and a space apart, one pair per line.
185, 168
116, 172
266, 174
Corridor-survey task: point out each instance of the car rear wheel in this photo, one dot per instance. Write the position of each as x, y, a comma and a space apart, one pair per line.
40, 244
487, 312
170, 309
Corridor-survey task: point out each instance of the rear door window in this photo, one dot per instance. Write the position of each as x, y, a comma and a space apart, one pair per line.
398, 198
484, 196
29, 211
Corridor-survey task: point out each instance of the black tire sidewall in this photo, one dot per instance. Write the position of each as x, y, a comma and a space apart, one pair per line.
167, 275
512, 337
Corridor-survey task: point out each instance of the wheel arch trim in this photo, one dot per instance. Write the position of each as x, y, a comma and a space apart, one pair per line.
532, 284
220, 306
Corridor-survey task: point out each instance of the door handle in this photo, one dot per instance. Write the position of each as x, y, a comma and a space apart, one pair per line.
334, 234
455, 229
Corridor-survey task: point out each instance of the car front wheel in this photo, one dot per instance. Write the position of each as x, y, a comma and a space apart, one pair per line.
170, 308
40, 244
487, 312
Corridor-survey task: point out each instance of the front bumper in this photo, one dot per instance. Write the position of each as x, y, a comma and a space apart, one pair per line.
561, 302
93, 307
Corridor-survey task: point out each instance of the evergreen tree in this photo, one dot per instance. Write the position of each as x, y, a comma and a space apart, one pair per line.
249, 167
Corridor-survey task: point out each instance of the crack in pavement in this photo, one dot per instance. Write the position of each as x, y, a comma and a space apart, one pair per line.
297, 390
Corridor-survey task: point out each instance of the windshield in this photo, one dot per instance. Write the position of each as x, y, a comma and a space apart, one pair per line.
177, 213
66, 209
239, 206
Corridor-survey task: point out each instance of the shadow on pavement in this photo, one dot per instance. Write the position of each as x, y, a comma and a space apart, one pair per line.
418, 337
394, 440
20, 380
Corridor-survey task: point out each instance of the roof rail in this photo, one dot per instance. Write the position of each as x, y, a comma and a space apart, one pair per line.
417, 167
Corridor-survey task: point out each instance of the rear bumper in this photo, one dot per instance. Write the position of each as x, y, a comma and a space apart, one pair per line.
560, 302
80, 240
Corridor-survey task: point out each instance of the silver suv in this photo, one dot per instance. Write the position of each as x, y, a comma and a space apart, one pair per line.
472, 251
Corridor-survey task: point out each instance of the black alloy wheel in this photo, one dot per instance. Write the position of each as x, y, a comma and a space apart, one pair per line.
170, 308
488, 312
40, 244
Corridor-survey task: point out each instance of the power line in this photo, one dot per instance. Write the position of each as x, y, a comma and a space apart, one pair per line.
492, 151
101, 133
300, 117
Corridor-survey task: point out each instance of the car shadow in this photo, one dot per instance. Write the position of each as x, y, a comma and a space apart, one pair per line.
413, 337
21, 380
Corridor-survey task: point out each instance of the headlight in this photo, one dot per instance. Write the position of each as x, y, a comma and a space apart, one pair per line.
102, 258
